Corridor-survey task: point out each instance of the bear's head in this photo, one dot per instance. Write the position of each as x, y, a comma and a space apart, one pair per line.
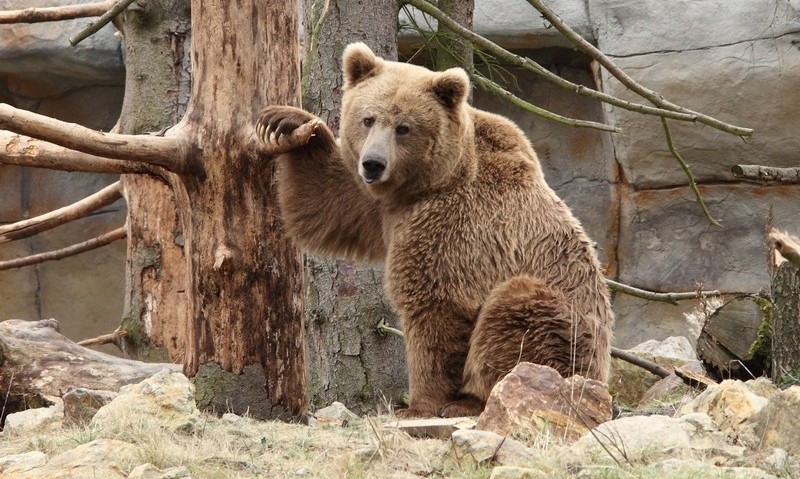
405, 131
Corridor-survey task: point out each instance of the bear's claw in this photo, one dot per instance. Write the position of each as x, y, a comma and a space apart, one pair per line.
282, 129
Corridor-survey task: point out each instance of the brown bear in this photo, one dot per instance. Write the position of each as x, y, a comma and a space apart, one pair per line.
485, 265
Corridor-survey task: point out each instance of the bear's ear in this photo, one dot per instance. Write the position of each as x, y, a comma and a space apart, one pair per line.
359, 63
451, 87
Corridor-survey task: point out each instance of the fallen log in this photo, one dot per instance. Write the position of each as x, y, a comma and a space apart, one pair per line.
37, 362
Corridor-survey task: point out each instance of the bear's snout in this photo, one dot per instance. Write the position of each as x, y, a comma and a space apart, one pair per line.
372, 167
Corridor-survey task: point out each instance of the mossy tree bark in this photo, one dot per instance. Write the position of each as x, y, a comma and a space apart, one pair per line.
349, 361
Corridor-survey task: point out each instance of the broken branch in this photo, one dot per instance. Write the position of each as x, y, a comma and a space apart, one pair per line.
54, 14
168, 152
652, 96
112, 337
671, 298
766, 174
62, 253
23, 150
80, 209
506, 95
637, 361
106, 17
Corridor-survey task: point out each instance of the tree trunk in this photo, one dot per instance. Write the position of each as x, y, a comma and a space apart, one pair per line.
157, 87
349, 361
451, 50
786, 324
245, 330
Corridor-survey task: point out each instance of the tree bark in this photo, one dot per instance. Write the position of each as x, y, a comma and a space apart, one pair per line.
157, 87
452, 50
246, 303
785, 324
349, 361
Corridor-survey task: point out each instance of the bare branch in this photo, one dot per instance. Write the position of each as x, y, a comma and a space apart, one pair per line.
506, 95
94, 27
32, 226
766, 174
637, 361
692, 184
113, 337
23, 150
535, 68
62, 253
785, 244
168, 152
671, 298
652, 96
54, 14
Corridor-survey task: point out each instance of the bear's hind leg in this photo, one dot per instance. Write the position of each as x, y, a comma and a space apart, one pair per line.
524, 320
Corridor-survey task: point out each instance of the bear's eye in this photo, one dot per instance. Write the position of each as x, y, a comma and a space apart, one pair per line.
369, 121
402, 130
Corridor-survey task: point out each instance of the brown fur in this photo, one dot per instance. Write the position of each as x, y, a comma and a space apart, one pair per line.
485, 265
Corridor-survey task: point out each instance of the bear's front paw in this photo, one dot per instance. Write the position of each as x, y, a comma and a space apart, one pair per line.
283, 128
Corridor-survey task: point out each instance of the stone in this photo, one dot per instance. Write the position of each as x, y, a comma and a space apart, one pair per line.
514, 472
166, 397
628, 383
696, 468
485, 446
106, 458
534, 399
778, 459
32, 419
439, 427
149, 471
648, 439
80, 404
20, 463
731, 403
777, 424
336, 414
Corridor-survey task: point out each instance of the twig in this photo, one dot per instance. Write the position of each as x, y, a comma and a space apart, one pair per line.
62, 253
23, 150
94, 27
384, 329
688, 172
654, 97
506, 95
637, 361
80, 209
112, 337
168, 152
54, 14
766, 174
671, 298
533, 67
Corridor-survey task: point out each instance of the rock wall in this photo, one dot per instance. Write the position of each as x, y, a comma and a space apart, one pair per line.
41, 72
738, 61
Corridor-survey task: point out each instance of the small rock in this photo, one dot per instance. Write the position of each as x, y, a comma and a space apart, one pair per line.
777, 460
336, 414
536, 399
514, 472
149, 471
37, 418
644, 439
19, 463
80, 404
232, 418
484, 446
730, 403
363, 456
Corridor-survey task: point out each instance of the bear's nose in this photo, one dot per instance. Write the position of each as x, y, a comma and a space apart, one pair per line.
373, 166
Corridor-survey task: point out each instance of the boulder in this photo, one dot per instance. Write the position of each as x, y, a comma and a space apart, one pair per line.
149, 471
37, 418
20, 463
515, 472
648, 439
696, 468
534, 399
106, 458
166, 397
777, 424
730, 404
